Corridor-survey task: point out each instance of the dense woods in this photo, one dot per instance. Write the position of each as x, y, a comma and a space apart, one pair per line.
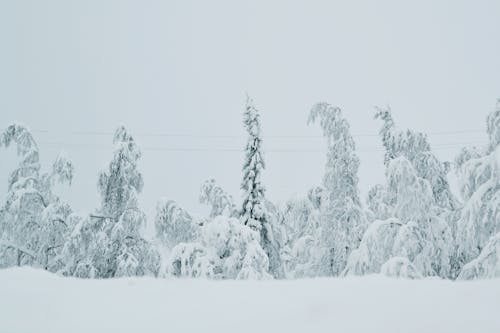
411, 226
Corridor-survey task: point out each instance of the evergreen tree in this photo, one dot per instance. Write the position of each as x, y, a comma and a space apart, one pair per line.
254, 211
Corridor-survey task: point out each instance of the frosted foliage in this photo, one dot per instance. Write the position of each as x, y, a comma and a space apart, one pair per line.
134, 255
54, 229
273, 239
467, 165
302, 258
402, 143
122, 177
110, 243
231, 242
173, 224
493, 127
400, 267
190, 260
33, 222
375, 248
226, 250
378, 203
301, 216
253, 210
341, 151
487, 264
255, 263
315, 196
85, 250
479, 174
414, 146
103, 248
423, 237
410, 194
221, 203
137, 257
300, 227
63, 169
342, 219
27, 150
426, 247
434, 171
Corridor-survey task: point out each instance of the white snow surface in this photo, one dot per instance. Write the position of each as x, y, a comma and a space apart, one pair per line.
37, 301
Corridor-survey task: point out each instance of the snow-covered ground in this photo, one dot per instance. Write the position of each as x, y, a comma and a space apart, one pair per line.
37, 301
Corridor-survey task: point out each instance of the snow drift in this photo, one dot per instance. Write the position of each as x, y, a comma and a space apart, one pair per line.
37, 301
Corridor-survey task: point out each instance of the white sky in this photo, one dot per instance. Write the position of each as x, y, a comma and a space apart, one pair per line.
183, 67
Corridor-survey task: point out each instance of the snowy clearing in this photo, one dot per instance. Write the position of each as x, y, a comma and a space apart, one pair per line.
37, 301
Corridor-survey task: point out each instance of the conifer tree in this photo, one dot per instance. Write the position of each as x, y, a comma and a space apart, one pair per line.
254, 213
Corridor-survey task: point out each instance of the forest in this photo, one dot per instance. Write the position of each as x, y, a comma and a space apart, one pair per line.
412, 226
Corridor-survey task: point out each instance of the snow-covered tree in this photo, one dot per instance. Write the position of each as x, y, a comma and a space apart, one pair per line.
415, 147
342, 222
226, 249
122, 179
220, 201
253, 211
375, 249
377, 201
86, 250
174, 224
400, 267
418, 197
254, 208
33, 224
414, 229
109, 243
478, 170
300, 221
487, 264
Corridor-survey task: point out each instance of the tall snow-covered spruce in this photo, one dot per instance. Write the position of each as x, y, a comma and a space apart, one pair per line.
342, 220
254, 212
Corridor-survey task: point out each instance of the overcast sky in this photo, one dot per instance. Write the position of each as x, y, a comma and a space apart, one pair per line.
176, 74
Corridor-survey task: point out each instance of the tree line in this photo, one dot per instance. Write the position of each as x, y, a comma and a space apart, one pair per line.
411, 226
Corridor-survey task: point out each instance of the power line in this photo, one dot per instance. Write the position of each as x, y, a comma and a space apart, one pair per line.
210, 136
442, 146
